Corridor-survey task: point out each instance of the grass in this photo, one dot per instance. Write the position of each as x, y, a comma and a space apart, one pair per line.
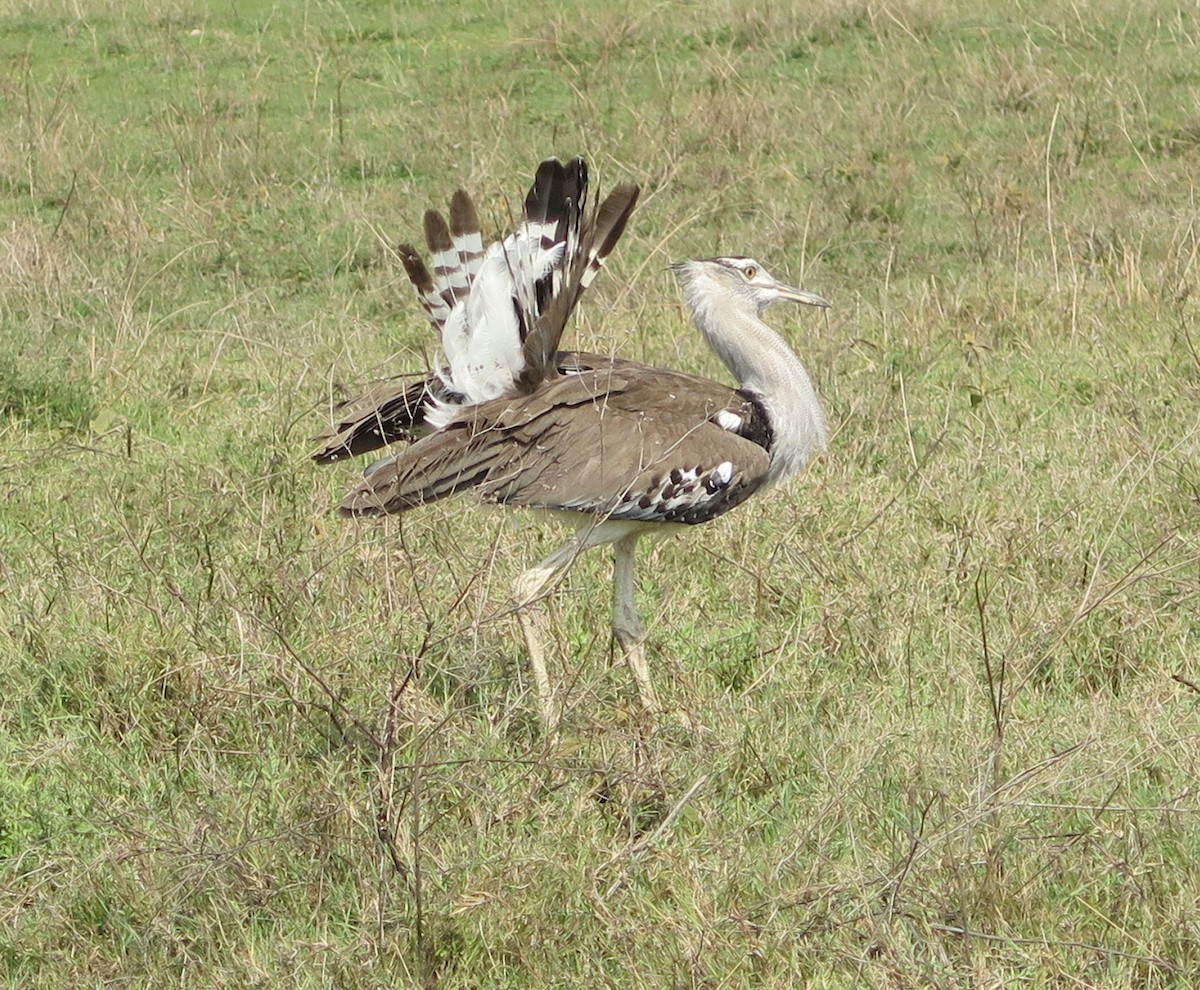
947, 683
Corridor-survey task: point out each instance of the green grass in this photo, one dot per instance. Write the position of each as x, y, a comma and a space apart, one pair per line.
946, 684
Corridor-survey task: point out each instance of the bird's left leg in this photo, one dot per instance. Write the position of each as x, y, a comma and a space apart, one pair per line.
625, 623
526, 591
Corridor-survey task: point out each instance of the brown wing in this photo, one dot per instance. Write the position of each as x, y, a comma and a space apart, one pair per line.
390, 410
624, 442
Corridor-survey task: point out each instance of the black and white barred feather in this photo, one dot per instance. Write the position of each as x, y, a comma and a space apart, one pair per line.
499, 312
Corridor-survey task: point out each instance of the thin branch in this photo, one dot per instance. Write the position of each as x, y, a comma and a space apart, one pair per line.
1190, 685
1054, 944
62, 214
634, 849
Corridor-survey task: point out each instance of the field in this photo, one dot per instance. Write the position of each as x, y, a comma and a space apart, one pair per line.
945, 688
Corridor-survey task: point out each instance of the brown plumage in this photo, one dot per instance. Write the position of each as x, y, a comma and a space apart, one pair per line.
625, 442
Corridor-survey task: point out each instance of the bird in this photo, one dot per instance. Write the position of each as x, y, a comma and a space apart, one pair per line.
619, 448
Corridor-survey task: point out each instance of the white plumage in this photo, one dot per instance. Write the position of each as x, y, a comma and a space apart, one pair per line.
482, 348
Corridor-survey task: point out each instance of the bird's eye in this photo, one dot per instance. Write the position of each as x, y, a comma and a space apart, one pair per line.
750, 272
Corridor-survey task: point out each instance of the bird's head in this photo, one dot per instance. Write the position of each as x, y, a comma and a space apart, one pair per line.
742, 281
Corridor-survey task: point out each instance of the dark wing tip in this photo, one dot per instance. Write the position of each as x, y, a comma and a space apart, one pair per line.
437, 233
415, 268
463, 217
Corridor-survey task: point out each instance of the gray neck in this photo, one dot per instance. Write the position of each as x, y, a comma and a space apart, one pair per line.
766, 366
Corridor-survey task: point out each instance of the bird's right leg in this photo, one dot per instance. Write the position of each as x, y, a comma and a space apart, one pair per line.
625, 623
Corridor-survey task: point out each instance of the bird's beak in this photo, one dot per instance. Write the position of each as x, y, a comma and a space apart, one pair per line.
801, 296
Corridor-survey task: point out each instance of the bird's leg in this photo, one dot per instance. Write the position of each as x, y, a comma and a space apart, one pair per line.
625, 623
526, 590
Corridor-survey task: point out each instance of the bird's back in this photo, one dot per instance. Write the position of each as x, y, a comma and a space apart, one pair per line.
394, 409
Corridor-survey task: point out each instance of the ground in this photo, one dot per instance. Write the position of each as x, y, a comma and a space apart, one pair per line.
944, 688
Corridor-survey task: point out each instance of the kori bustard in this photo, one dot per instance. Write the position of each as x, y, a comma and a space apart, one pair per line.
620, 447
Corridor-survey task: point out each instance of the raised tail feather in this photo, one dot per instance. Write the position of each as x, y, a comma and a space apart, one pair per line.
601, 229
431, 299
518, 280
466, 234
499, 313
456, 251
542, 248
